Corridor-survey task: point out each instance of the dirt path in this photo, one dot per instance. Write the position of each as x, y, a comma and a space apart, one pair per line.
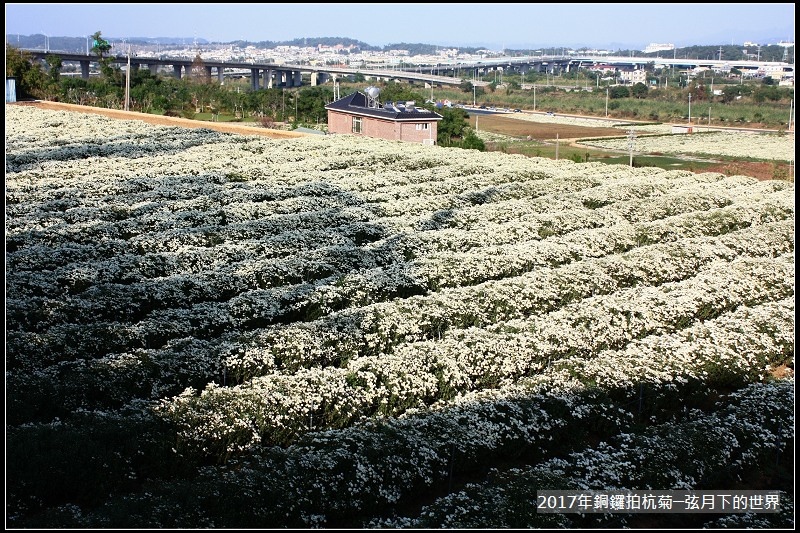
160, 120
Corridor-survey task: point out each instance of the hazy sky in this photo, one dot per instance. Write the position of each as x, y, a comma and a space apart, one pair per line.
492, 25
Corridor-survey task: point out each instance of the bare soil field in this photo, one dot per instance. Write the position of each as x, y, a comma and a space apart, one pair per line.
539, 131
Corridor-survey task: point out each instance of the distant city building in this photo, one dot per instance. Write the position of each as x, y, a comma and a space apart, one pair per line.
589, 52
602, 68
655, 47
750, 44
633, 76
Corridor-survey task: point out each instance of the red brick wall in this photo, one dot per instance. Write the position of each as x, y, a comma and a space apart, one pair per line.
383, 129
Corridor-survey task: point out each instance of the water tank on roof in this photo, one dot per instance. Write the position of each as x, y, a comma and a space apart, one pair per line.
372, 92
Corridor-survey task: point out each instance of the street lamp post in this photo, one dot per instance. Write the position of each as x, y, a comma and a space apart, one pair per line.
690, 108
473, 96
606, 102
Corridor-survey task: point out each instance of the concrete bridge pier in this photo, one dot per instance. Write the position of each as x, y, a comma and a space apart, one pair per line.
85, 70
254, 79
220, 75
268, 78
177, 70
282, 78
153, 68
319, 78
297, 78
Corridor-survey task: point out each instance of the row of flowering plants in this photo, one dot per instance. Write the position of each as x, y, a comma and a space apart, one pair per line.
764, 146
212, 330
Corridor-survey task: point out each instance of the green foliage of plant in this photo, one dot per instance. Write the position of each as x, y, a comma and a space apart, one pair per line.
30, 77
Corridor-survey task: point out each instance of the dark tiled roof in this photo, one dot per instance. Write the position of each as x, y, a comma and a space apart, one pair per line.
356, 104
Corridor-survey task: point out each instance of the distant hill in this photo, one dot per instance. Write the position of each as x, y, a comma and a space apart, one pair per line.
79, 45
309, 41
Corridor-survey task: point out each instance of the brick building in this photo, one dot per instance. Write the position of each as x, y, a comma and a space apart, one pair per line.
362, 114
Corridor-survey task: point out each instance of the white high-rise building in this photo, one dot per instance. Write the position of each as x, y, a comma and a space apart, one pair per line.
655, 47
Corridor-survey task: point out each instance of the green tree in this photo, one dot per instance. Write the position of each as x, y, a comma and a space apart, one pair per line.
619, 91
451, 127
201, 84
730, 92
146, 92
51, 85
55, 63
29, 76
639, 90
101, 48
263, 103
399, 92
472, 141
311, 104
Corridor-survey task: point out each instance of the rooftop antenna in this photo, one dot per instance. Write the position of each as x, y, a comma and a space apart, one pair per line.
372, 96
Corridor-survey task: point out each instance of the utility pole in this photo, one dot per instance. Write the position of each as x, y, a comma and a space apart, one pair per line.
556, 146
606, 102
128, 82
631, 137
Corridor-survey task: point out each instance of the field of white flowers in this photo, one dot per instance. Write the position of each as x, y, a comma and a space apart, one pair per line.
744, 145
212, 330
658, 138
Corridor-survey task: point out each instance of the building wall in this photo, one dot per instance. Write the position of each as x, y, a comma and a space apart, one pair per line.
339, 122
384, 129
634, 76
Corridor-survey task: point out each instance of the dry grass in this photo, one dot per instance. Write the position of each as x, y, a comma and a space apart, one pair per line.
538, 130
